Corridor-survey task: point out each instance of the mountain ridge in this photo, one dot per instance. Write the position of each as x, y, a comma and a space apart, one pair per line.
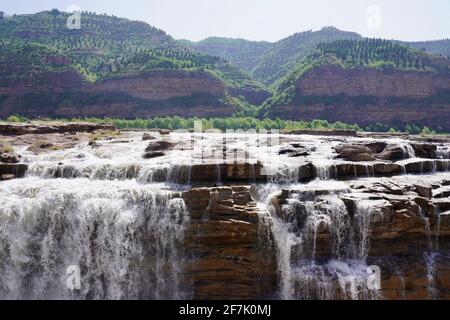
39, 48
364, 82
296, 48
116, 67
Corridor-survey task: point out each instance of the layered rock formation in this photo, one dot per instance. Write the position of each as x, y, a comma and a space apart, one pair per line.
228, 257
334, 81
306, 227
149, 94
366, 96
407, 231
17, 129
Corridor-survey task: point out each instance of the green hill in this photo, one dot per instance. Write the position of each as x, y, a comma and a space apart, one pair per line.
284, 55
242, 53
379, 54
361, 81
270, 62
265, 61
105, 46
436, 47
38, 47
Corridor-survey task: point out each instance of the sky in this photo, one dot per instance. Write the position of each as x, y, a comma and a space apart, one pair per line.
270, 20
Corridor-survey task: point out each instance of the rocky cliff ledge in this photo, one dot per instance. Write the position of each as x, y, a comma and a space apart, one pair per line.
332, 81
17, 129
150, 94
367, 96
333, 206
231, 256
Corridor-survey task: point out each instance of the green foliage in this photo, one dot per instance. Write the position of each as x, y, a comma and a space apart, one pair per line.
16, 119
270, 62
393, 130
376, 53
427, 131
346, 54
105, 46
285, 54
234, 123
412, 129
242, 53
223, 124
437, 47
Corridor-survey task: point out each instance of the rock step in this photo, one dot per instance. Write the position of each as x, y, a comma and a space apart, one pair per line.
10, 171
244, 173
16, 129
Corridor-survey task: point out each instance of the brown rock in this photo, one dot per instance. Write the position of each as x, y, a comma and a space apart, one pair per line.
393, 153
164, 132
160, 146
377, 147
153, 154
12, 129
6, 177
355, 153
387, 168
147, 137
424, 190
441, 193
9, 158
428, 151
18, 170
420, 167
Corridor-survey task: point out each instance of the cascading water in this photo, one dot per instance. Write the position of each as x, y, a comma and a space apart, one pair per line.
125, 238
443, 152
121, 220
321, 249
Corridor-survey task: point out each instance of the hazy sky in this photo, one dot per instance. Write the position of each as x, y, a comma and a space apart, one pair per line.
268, 19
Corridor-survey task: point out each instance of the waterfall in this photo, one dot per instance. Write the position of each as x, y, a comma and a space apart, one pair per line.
125, 238
321, 249
408, 151
443, 152
430, 265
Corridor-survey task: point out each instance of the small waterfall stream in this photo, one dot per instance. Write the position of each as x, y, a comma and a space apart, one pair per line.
339, 269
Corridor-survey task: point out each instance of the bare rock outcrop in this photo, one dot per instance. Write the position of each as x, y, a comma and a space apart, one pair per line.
223, 237
14, 129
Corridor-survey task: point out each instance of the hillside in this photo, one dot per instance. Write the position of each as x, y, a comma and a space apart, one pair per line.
242, 53
437, 47
277, 62
40, 54
269, 62
364, 82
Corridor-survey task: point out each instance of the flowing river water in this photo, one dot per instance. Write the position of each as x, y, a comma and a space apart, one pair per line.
118, 217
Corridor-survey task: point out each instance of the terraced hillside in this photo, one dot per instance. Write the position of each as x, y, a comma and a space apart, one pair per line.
47, 68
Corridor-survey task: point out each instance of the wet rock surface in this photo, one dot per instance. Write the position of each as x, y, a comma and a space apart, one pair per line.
260, 226
407, 229
223, 240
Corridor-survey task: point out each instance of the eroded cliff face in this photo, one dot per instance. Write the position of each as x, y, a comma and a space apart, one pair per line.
330, 81
399, 114
369, 96
161, 85
161, 93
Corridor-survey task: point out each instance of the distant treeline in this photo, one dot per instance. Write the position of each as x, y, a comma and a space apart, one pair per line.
245, 123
